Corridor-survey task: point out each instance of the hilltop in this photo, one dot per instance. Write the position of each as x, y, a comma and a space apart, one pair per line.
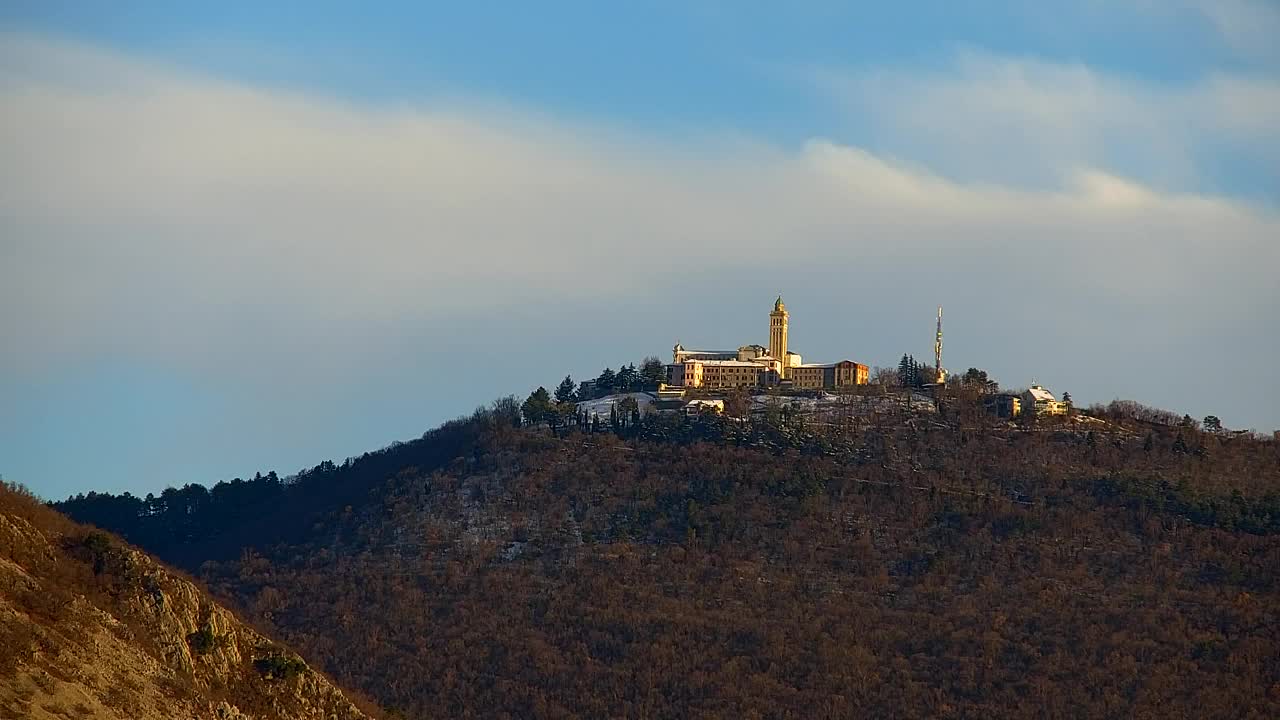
919, 564
90, 627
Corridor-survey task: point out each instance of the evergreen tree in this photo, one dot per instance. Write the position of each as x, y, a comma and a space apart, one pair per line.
911, 373
652, 371
565, 391
606, 382
537, 407
979, 380
627, 378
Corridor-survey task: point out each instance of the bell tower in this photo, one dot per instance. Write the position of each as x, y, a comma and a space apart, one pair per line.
778, 333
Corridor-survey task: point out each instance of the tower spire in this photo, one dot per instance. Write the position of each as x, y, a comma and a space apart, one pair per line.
778, 336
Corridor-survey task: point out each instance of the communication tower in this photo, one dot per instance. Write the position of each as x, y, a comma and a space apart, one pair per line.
940, 375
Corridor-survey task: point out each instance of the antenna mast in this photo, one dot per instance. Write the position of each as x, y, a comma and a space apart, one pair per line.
937, 349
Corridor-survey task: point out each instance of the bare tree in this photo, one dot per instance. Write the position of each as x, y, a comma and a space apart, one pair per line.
885, 377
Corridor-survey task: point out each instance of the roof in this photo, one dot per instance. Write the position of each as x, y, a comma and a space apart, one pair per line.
827, 365
1039, 393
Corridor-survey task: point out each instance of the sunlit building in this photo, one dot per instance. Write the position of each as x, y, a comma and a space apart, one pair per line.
760, 366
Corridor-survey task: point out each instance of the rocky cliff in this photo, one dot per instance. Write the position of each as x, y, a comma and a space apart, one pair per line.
90, 627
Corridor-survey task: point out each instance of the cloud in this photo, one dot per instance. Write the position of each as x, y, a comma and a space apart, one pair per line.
1248, 27
1028, 121
286, 239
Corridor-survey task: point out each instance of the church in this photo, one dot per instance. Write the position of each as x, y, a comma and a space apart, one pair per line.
753, 366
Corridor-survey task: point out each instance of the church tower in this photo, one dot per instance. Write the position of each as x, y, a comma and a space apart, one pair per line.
778, 333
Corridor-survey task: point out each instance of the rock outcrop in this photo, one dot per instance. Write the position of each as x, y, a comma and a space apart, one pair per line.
92, 628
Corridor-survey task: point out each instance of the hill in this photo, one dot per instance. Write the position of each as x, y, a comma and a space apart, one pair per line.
677, 567
90, 627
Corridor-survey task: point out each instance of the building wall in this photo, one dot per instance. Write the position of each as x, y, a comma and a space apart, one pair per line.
729, 376
1050, 407
692, 374
842, 374
848, 373
1005, 406
808, 378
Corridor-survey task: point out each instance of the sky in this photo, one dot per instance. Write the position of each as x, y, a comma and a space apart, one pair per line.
237, 238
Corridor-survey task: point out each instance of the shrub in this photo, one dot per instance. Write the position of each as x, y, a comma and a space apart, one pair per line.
279, 667
204, 641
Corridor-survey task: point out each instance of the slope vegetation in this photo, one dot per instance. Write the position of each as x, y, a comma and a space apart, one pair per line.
710, 568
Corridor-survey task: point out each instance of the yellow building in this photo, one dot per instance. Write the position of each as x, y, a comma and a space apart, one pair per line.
756, 365
1041, 402
816, 376
730, 373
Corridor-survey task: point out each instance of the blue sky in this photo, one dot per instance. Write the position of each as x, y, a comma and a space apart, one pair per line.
237, 238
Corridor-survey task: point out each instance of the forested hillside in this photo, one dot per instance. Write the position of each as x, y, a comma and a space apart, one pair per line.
707, 567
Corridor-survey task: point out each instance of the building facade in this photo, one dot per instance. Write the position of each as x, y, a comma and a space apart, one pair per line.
816, 376
1040, 402
758, 366
1004, 405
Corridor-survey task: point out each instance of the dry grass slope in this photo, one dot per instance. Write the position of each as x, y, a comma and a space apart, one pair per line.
92, 628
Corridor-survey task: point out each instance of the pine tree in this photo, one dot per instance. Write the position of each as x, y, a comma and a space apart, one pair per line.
606, 382
565, 391
627, 378
911, 373
537, 407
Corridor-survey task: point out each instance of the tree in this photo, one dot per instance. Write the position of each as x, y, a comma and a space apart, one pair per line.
912, 374
652, 371
606, 382
627, 378
537, 407
979, 380
884, 376
737, 403
565, 391
628, 411
1212, 423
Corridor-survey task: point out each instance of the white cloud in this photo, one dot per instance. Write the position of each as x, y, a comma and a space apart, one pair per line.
155, 213
1021, 120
